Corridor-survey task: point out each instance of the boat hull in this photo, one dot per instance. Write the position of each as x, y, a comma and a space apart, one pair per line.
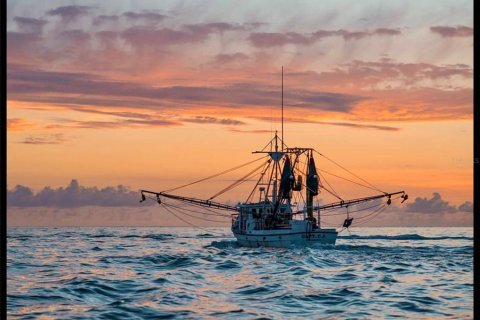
287, 238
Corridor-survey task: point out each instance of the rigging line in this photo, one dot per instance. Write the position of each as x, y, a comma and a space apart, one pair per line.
191, 223
270, 179
207, 208
303, 199
340, 213
331, 193
189, 204
260, 179
350, 181
269, 142
215, 175
238, 182
378, 213
336, 193
190, 215
348, 171
210, 214
327, 224
358, 210
371, 213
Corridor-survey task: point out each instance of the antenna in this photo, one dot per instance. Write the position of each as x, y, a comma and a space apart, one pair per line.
282, 109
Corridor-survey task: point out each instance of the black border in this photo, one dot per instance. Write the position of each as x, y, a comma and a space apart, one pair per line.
3, 156
3, 168
476, 164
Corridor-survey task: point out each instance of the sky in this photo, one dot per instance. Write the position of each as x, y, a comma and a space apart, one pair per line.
106, 98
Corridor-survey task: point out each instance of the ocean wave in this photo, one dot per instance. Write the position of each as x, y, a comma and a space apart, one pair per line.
114, 273
404, 237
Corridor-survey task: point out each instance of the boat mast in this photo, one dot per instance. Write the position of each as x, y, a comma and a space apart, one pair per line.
282, 110
275, 169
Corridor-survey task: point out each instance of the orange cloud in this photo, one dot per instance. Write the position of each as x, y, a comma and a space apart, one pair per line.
18, 124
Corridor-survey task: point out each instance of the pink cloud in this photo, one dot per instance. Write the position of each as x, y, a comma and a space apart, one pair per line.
458, 31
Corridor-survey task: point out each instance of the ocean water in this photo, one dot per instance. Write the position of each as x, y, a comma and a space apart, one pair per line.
190, 273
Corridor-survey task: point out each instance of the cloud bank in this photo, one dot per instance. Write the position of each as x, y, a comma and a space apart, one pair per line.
437, 205
75, 195
72, 196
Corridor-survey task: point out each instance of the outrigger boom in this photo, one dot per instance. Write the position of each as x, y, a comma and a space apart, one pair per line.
201, 202
218, 205
346, 203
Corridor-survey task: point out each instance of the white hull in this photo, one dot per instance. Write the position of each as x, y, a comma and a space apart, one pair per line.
286, 238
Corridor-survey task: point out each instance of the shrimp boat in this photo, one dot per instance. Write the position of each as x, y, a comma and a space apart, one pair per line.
285, 213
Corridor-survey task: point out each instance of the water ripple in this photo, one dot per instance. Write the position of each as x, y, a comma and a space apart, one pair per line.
183, 273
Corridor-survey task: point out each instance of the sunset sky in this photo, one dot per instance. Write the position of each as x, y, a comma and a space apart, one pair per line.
153, 94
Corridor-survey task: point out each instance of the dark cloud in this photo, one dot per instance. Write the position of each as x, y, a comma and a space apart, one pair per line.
344, 124
30, 24
135, 119
101, 19
229, 58
213, 120
123, 114
433, 205
206, 28
272, 39
467, 206
387, 32
130, 123
147, 37
145, 15
448, 32
22, 45
142, 37
86, 89
56, 138
70, 13
76, 36
383, 72
250, 131
360, 126
74, 195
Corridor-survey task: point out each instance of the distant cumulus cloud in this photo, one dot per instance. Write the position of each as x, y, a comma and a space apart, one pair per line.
74, 195
70, 13
467, 206
458, 31
30, 24
433, 205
